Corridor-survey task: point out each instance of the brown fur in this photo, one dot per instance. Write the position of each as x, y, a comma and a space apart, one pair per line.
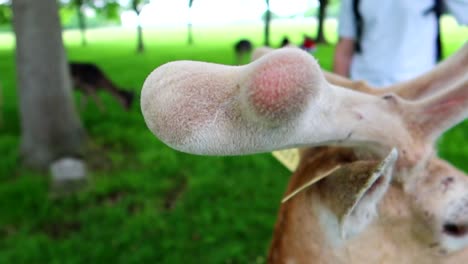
89, 78
397, 236
291, 224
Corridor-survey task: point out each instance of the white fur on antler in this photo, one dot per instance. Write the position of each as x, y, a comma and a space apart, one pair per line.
214, 109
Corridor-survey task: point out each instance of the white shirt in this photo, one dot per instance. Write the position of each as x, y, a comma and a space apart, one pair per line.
398, 40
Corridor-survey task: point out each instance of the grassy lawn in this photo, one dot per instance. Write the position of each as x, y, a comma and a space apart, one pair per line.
147, 203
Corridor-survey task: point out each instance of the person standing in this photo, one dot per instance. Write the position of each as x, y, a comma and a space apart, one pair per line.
389, 41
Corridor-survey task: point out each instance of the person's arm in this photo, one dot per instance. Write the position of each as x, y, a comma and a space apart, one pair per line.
343, 54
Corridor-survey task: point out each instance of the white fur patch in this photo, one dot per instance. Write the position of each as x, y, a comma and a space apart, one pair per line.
450, 243
329, 222
365, 209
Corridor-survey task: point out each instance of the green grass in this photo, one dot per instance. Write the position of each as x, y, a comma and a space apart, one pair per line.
147, 203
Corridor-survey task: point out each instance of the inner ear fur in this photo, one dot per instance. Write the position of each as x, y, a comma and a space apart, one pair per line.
353, 191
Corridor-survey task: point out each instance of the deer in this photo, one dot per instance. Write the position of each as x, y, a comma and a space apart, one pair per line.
369, 186
88, 78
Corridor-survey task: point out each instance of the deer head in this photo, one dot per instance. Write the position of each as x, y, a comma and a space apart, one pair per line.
284, 100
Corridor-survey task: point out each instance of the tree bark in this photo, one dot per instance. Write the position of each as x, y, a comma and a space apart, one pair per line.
321, 19
190, 34
189, 24
81, 21
267, 24
50, 127
137, 6
140, 44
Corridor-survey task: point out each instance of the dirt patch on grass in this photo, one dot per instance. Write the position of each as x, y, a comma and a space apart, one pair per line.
110, 198
61, 230
97, 157
7, 231
174, 194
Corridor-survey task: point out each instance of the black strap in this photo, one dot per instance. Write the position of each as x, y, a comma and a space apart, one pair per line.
359, 25
438, 9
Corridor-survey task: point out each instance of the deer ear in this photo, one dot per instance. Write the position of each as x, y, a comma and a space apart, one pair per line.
354, 191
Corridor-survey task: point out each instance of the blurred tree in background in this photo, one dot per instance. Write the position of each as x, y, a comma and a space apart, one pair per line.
50, 127
322, 12
137, 6
81, 19
84, 14
79, 6
267, 24
5, 13
189, 24
92, 13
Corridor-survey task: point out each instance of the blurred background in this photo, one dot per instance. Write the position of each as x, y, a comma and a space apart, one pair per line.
130, 198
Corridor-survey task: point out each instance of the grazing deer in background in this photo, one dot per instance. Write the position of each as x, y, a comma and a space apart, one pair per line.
88, 78
369, 187
242, 49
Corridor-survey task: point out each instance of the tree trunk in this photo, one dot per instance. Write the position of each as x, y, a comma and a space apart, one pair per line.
189, 24
190, 34
267, 24
140, 44
81, 22
321, 19
50, 127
